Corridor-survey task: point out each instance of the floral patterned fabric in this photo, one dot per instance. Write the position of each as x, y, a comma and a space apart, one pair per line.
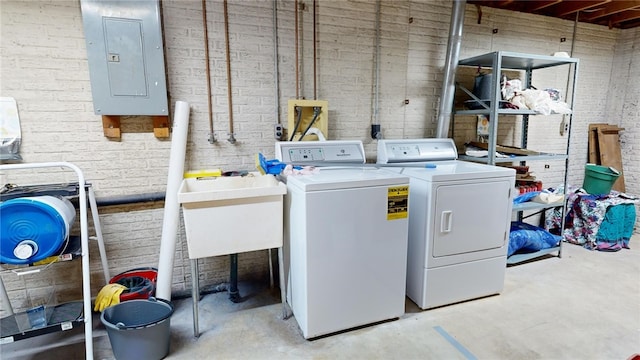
585, 214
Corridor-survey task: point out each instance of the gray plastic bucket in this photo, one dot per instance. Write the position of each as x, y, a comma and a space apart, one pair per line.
482, 86
139, 329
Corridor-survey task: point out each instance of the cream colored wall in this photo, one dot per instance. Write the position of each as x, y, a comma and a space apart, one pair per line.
44, 67
622, 104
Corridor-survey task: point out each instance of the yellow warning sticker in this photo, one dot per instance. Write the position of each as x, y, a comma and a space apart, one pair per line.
397, 202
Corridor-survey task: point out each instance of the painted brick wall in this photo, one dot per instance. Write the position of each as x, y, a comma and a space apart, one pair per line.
625, 106
541, 35
44, 66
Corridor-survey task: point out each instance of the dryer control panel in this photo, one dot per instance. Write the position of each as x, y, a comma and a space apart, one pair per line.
416, 150
321, 152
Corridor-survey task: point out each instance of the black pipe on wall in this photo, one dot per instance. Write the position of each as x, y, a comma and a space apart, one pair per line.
130, 199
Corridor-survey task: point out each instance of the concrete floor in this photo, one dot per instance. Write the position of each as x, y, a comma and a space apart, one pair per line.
585, 305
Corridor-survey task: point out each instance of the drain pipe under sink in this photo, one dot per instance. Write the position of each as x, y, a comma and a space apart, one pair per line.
234, 294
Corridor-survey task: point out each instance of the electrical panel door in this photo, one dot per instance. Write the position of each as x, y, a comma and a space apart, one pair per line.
126, 57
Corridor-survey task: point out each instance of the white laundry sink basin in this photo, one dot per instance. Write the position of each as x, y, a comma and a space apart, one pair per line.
227, 215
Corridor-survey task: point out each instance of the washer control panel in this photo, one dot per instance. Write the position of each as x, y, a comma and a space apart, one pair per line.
319, 152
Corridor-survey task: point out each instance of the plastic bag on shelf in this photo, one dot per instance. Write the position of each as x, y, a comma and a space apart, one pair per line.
529, 238
510, 88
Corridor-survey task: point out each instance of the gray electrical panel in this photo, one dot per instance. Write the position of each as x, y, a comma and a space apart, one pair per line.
126, 56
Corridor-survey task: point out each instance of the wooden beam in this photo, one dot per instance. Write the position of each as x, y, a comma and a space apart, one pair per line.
625, 16
630, 24
610, 153
611, 8
570, 7
533, 6
111, 126
161, 127
594, 152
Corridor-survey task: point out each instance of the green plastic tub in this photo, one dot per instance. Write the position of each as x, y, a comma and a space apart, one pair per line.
599, 179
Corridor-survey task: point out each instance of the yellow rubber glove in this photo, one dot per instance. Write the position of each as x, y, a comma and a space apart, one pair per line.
115, 297
100, 299
109, 295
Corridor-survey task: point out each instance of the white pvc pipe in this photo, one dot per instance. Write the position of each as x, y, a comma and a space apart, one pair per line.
171, 204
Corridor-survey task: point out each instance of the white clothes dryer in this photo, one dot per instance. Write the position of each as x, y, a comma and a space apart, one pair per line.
345, 241
459, 217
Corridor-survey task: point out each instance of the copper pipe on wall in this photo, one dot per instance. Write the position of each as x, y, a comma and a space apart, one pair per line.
231, 138
212, 137
296, 46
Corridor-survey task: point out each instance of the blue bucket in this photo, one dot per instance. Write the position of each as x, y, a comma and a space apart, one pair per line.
33, 228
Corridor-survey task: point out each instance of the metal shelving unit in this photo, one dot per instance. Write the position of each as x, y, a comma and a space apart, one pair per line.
534, 206
504, 60
495, 160
66, 316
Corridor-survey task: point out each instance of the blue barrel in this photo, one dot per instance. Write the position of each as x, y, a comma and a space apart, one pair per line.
33, 228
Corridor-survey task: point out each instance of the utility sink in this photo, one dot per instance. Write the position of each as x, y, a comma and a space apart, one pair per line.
228, 215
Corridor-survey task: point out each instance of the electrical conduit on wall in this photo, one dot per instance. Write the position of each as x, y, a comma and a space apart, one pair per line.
275, 63
171, 205
375, 122
297, 50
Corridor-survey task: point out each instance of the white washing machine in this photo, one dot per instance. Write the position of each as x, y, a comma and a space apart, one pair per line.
459, 217
345, 244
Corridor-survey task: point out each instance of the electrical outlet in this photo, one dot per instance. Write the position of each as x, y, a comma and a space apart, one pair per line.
375, 131
278, 131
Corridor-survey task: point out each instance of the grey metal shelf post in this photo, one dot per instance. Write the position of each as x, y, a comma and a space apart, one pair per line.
505, 60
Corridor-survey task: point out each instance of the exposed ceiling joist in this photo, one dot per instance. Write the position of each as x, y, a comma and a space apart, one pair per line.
611, 8
539, 5
623, 14
626, 16
571, 7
